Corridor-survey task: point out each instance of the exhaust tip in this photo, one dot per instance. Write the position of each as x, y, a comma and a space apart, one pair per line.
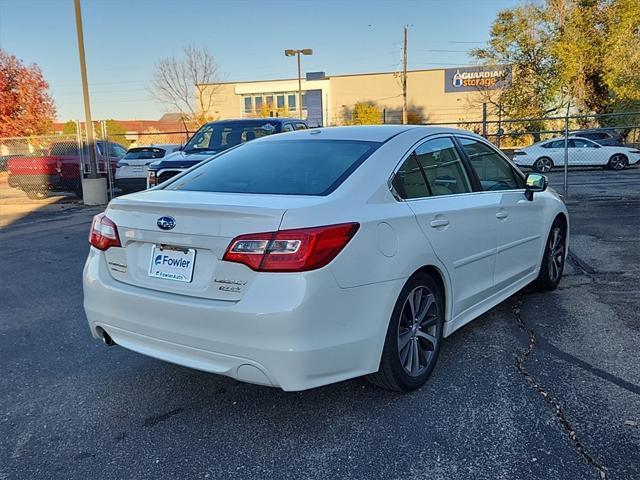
108, 341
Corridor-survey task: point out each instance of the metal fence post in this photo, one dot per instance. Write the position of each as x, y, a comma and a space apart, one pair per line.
107, 148
566, 156
484, 119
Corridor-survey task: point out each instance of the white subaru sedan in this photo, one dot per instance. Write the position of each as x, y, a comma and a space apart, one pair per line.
308, 258
543, 156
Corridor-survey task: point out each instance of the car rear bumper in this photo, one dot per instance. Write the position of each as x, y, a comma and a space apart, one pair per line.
131, 184
309, 334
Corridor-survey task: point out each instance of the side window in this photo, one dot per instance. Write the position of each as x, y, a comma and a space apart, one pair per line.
577, 143
493, 171
288, 127
300, 126
442, 167
409, 180
554, 144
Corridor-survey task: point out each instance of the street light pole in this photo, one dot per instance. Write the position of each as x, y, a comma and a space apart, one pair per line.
297, 53
94, 190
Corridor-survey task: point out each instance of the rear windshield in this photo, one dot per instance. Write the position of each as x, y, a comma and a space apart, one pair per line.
144, 154
290, 167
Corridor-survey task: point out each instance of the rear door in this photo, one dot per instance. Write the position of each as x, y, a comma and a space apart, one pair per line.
454, 219
517, 222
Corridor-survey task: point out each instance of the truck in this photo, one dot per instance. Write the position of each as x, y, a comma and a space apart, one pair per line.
58, 169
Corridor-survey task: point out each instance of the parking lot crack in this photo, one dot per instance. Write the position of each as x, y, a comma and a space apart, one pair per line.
555, 405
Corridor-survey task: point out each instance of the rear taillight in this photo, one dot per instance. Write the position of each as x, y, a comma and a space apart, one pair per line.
104, 233
296, 250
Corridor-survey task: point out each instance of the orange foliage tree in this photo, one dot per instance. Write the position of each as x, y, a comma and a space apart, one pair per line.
26, 108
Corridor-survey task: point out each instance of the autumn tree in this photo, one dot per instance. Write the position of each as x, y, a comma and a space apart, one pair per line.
521, 38
188, 84
26, 108
365, 113
583, 51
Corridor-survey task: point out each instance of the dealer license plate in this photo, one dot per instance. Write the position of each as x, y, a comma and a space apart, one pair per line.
172, 263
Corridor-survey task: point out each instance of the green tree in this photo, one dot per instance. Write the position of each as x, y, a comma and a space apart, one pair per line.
521, 37
366, 113
585, 51
116, 132
69, 128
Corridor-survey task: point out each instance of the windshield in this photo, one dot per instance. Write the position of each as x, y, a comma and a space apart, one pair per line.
144, 154
216, 137
292, 167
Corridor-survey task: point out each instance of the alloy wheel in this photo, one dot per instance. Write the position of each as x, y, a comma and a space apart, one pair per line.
543, 165
617, 162
556, 254
418, 334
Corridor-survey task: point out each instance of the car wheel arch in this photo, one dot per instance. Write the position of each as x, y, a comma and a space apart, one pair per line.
443, 282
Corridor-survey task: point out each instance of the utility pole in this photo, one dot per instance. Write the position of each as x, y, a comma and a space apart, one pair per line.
404, 77
94, 188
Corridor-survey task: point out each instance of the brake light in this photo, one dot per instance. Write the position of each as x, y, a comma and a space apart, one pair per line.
104, 233
295, 250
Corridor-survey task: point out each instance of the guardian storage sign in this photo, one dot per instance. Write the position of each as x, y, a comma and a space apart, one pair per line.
473, 79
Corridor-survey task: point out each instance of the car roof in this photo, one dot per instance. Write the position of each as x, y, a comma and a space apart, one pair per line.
369, 133
254, 120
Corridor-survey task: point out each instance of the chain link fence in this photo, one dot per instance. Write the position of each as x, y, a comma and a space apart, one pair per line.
39, 167
569, 144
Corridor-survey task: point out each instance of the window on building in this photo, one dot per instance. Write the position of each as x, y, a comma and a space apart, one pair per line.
269, 100
291, 101
258, 103
304, 101
247, 105
280, 101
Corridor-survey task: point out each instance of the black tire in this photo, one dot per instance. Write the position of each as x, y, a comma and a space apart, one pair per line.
36, 194
617, 161
553, 259
542, 165
392, 374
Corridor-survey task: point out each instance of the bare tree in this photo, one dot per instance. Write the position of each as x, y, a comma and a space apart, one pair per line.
189, 83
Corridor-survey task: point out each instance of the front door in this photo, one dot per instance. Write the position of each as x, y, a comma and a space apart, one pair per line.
516, 220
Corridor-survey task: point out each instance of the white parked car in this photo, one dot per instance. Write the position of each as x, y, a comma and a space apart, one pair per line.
309, 258
131, 170
543, 156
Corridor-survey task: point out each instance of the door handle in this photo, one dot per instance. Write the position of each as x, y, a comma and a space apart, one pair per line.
502, 215
439, 223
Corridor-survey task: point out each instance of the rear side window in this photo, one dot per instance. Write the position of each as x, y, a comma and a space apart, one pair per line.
443, 167
293, 167
144, 154
554, 144
409, 181
493, 171
433, 169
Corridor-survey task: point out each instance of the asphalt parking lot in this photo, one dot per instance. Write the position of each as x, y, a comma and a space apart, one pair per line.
544, 386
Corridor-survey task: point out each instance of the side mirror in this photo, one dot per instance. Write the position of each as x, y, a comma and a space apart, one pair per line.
534, 182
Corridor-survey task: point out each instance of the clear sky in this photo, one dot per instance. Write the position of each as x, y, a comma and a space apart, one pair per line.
125, 38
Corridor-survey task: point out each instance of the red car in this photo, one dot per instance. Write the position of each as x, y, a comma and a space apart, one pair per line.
59, 170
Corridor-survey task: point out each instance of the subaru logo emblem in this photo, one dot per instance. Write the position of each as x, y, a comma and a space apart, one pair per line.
166, 223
